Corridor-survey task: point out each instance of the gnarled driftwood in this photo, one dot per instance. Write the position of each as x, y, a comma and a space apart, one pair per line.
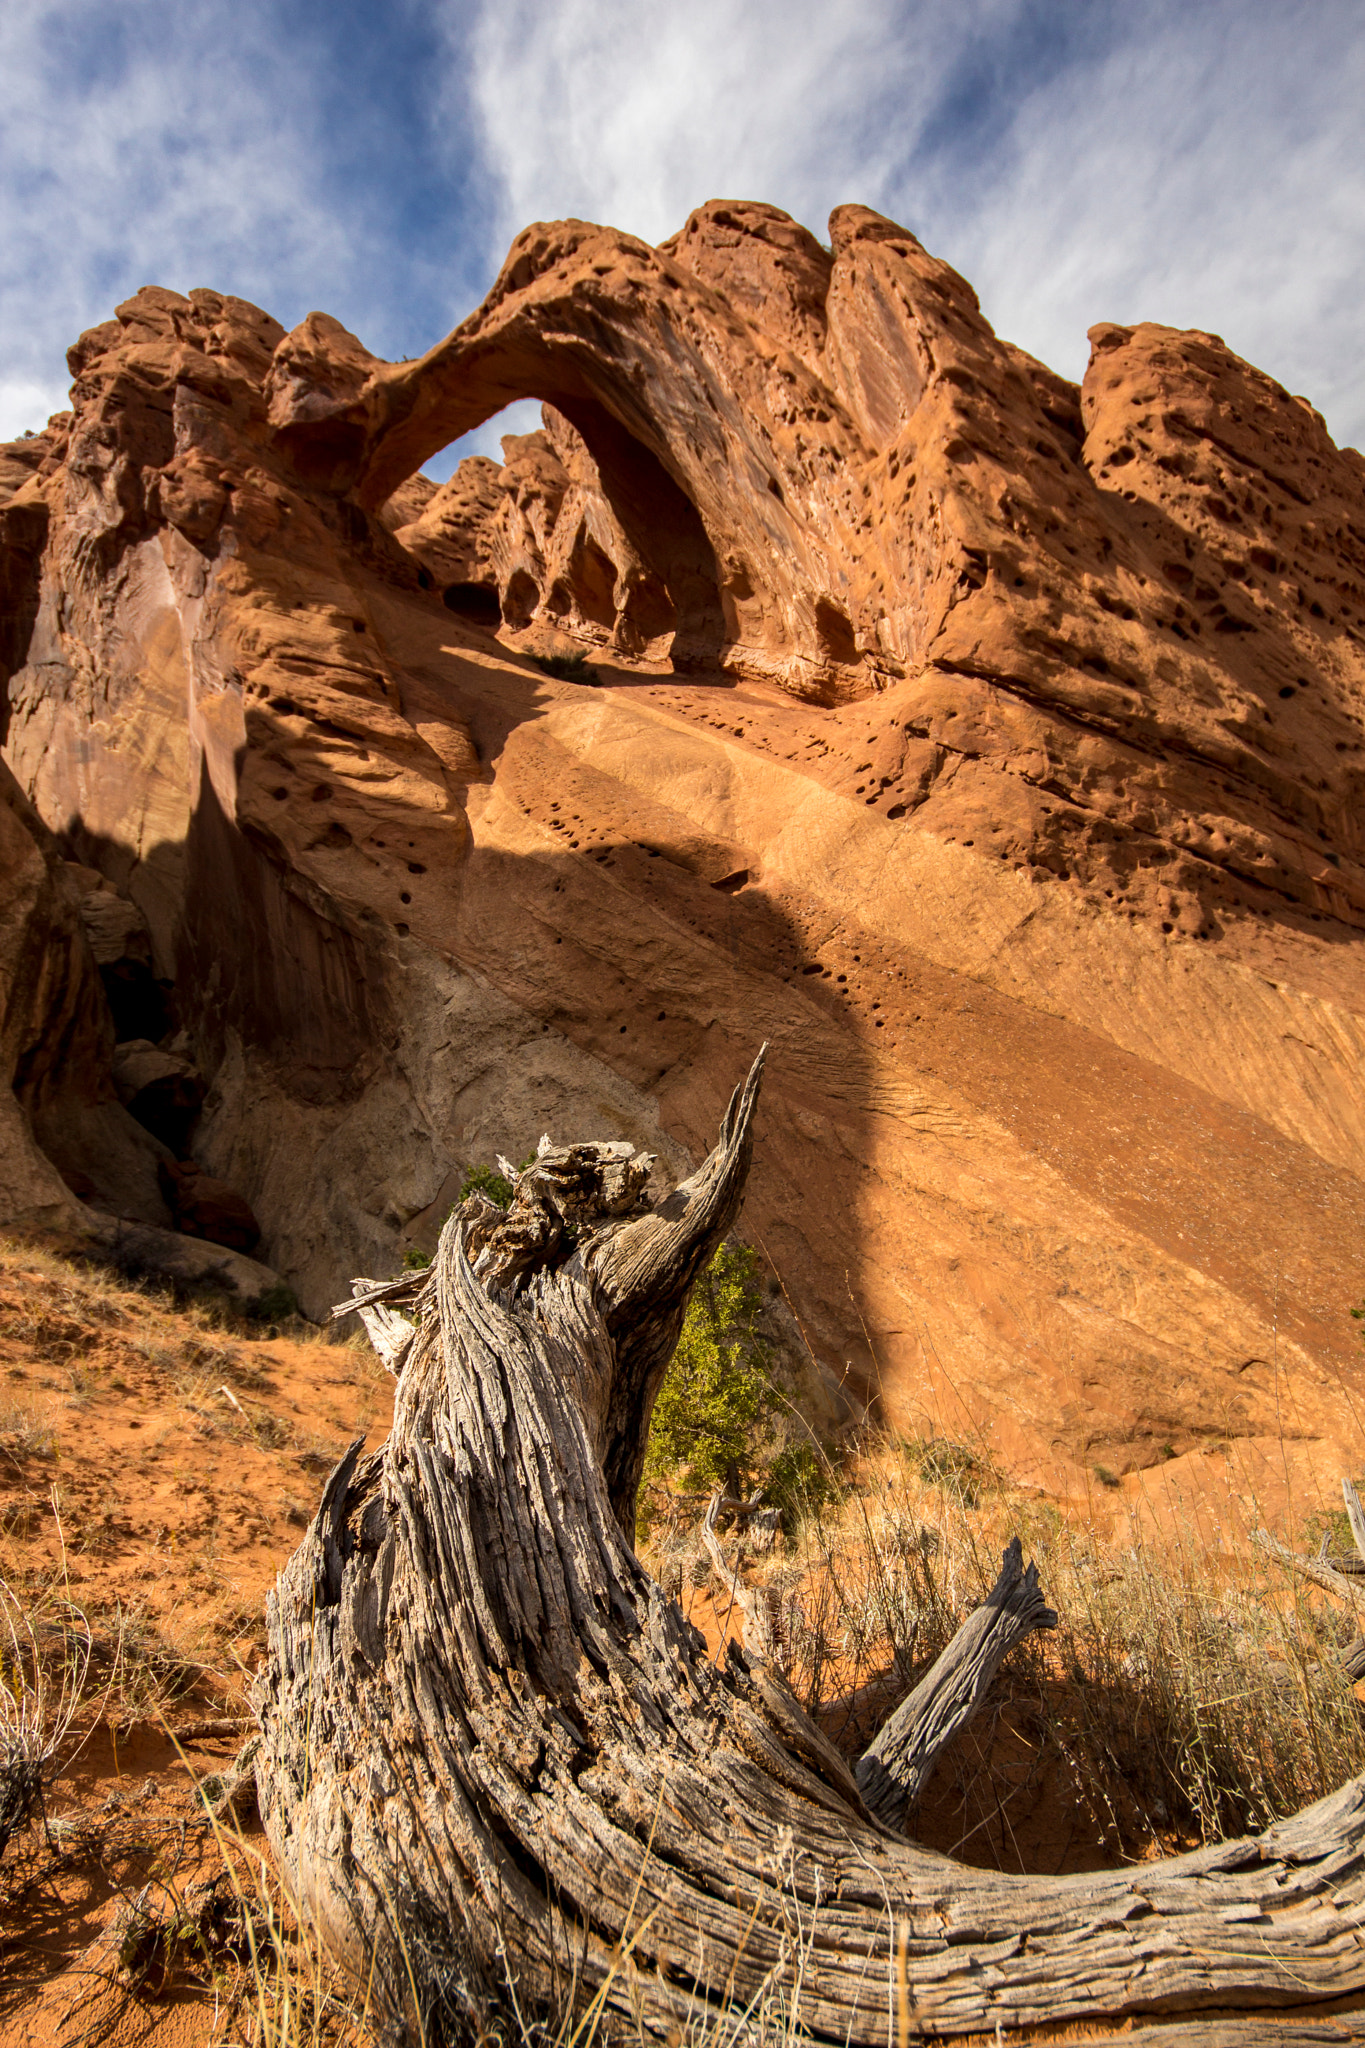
493, 1752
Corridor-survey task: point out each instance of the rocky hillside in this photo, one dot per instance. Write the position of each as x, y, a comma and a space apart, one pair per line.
994, 748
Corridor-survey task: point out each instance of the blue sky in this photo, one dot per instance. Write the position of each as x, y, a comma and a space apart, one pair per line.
1200, 162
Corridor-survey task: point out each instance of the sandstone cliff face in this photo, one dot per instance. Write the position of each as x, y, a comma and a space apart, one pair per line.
50, 1012
992, 747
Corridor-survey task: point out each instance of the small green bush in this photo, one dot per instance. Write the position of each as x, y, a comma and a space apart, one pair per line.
717, 1389
568, 668
799, 1483
486, 1180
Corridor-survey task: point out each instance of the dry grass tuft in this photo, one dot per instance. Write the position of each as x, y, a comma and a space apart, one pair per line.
197, 1913
184, 1451
218, 1924
41, 1699
24, 1434
1189, 1694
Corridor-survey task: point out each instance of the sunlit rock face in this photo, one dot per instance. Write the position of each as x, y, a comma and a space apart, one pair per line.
992, 747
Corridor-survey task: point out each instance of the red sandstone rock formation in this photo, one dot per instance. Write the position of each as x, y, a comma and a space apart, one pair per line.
992, 747
207, 1208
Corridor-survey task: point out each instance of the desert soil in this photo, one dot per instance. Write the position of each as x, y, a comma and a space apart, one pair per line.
156, 1469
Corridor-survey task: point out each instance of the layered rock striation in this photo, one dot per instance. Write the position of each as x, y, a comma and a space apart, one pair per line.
992, 747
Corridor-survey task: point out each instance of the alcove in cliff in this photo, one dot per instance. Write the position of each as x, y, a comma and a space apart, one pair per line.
579, 530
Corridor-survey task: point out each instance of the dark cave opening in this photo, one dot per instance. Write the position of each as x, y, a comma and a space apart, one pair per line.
477, 602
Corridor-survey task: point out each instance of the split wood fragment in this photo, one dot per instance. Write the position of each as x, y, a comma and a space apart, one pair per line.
1345, 1587
1330, 1576
1355, 1515
751, 1601
894, 1769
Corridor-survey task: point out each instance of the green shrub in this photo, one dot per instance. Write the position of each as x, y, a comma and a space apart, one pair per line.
569, 668
799, 1482
717, 1389
486, 1180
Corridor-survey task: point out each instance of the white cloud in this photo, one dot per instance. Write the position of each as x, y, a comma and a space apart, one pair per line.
1198, 165
1208, 173
26, 405
632, 112
143, 145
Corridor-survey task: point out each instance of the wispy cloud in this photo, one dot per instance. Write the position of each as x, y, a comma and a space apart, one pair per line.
632, 112
270, 148
1077, 159
1198, 165
1204, 168
135, 153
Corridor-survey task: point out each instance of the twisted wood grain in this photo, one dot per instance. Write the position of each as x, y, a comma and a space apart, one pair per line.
492, 1751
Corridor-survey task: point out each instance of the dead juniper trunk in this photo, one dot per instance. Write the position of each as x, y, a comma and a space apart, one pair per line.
493, 1752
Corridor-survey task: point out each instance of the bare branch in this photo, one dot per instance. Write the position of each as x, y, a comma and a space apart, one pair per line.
1313, 1568
896, 1765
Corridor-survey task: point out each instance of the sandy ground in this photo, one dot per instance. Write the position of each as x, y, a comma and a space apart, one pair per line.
155, 1472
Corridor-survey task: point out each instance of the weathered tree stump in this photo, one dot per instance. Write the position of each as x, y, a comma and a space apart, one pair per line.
494, 1754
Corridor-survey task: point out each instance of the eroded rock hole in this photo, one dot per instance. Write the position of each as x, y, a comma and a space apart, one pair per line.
477, 602
580, 527
141, 1005
667, 579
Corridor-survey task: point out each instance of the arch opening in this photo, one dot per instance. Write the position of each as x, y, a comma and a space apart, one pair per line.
669, 583
578, 529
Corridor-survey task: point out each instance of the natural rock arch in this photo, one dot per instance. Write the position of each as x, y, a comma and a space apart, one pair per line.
676, 587
493, 1752
582, 529
640, 353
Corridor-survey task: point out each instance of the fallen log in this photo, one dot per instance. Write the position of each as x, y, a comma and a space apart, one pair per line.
494, 1757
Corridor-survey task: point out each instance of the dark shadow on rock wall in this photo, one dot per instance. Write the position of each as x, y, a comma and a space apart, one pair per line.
264, 954
668, 967
671, 967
